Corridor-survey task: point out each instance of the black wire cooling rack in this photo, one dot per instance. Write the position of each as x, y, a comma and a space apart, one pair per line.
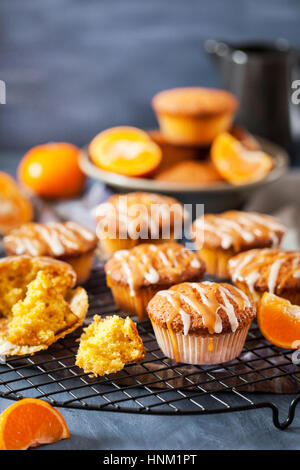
157, 385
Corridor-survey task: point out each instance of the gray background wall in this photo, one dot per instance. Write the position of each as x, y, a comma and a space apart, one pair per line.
73, 67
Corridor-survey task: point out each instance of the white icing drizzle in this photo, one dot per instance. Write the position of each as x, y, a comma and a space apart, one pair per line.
142, 264
241, 263
247, 236
56, 236
227, 306
186, 319
245, 225
296, 262
229, 309
121, 254
248, 257
273, 275
128, 273
251, 280
82, 231
51, 239
195, 263
163, 258
265, 221
152, 276
26, 245
231, 296
226, 238
65, 235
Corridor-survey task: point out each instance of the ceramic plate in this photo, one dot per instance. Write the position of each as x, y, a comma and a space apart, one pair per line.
218, 197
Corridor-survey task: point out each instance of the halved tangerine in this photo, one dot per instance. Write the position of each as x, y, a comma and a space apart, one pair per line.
29, 423
279, 321
125, 150
237, 164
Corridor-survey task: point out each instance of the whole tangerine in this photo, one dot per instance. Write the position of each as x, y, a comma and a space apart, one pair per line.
52, 170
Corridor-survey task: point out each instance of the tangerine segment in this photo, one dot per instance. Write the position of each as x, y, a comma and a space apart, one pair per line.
237, 164
29, 423
52, 170
125, 150
279, 321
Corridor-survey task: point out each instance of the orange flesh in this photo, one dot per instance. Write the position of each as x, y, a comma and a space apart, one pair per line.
279, 321
31, 422
236, 164
125, 150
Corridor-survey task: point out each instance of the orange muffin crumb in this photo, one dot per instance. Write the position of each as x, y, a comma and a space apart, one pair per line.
108, 344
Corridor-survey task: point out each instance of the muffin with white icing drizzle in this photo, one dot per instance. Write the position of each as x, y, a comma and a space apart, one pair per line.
273, 271
127, 220
219, 237
201, 322
66, 241
135, 275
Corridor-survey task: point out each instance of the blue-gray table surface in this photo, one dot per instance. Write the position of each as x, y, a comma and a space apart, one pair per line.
72, 68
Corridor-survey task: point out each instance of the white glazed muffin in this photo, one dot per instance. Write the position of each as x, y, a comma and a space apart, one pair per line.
273, 271
219, 237
135, 275
201, 323
126, 220
66, 241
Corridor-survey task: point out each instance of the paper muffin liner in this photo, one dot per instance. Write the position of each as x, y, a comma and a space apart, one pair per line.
193, 349
133, 305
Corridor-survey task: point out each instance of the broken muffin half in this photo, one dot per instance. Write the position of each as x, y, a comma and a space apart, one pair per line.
37, 303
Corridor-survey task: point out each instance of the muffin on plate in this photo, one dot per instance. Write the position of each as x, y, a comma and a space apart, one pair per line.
135, 275
15, 208
201, 322
195, 115
67, 241
126, 220
174, 153
190, 171
107, 344
273, 271
219, 237
38, 304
